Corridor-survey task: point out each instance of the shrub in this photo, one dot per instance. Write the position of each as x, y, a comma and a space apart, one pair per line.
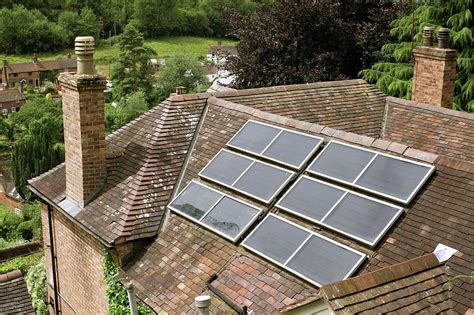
36, 283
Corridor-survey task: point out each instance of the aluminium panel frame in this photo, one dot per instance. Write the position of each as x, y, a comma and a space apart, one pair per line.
242, 231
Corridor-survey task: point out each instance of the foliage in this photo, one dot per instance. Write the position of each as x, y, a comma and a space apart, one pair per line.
315, 42
15, 229
25, 31
180, 70
31, 224
156, 17
115, 291
36, 284
38, 138
24, 263
132, 72
126, 110
83, 24
8, 224
393, 74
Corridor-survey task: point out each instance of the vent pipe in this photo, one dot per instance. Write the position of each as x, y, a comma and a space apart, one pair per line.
202, 304
85, 47
443, 37
428, 36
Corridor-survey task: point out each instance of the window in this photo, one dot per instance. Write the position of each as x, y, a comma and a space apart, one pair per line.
5, 112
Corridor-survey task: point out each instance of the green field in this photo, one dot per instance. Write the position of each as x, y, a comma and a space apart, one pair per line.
165, 48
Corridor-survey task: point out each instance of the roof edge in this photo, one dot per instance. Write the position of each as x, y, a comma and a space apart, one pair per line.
12, 275
292, 87
379, 277
429, 107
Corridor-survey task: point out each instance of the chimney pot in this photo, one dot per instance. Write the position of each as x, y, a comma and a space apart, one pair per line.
428, 36
443, 37
180, 90
85, 47
35, 58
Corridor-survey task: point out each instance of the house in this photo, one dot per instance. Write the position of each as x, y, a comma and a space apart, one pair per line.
142, 192
33, 72
11, 100
14, 296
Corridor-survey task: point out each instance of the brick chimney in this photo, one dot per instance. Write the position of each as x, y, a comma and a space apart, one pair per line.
84, 131
434, 70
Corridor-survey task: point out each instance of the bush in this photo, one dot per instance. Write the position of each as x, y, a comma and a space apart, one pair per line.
125, 110
36, 283
23, 263
8, 224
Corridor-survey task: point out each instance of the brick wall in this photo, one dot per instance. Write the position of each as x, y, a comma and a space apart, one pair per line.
433, 76
79, 267
84, 135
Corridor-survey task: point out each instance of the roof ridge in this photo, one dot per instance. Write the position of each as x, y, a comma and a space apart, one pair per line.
290, 87
188, 97
429, 107
6, 277
379, 277
32, 180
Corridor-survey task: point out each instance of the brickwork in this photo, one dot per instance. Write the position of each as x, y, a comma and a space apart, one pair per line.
433, 77
79, 267
84, 135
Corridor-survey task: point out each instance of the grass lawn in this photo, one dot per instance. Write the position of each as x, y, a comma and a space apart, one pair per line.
165, 48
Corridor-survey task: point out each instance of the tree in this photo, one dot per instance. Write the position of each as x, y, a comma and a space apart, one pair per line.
38, 141
393, 74
125, 111
316, 42
132, 71
83, 24
180, 70
155, 17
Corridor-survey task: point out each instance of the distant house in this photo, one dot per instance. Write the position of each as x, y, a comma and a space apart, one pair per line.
33, 72
11, 100
219, 54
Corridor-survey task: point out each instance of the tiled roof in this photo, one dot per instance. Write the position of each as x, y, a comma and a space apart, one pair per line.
14, 296
45, 65
11, 95
417, 285
175, 268
351, 105
222, 50
430, 128
144, 159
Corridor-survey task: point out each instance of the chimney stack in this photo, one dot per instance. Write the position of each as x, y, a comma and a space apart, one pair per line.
434, 70
180, 90
35, 58
84, 131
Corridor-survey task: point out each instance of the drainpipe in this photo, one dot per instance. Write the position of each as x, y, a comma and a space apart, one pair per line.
53, 259
132, 300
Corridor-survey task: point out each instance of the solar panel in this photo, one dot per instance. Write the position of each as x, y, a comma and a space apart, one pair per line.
309, 255
392, 177
281, 145
253, 178
223, 214
360, 217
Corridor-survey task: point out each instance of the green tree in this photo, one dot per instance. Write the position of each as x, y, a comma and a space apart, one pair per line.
83, 24
180, 70
132, 71
156, 17
393, 74
37, 139
125, 110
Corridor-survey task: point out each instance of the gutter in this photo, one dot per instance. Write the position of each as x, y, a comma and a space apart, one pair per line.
82, 226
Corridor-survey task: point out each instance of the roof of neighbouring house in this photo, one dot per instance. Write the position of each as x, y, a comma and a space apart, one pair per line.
14, 296
11, 95
46, 65
186, 259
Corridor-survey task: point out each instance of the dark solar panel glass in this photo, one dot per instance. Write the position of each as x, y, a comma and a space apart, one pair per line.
341, 162
291, 148
195, 200
361, 217
323, 262
230, 216
276, 239
311, 198
254, 137
226, 167
393, 177
262, 180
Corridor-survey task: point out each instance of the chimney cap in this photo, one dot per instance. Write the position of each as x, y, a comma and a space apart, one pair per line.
428, 36
202, 301
84, 45
443, 37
